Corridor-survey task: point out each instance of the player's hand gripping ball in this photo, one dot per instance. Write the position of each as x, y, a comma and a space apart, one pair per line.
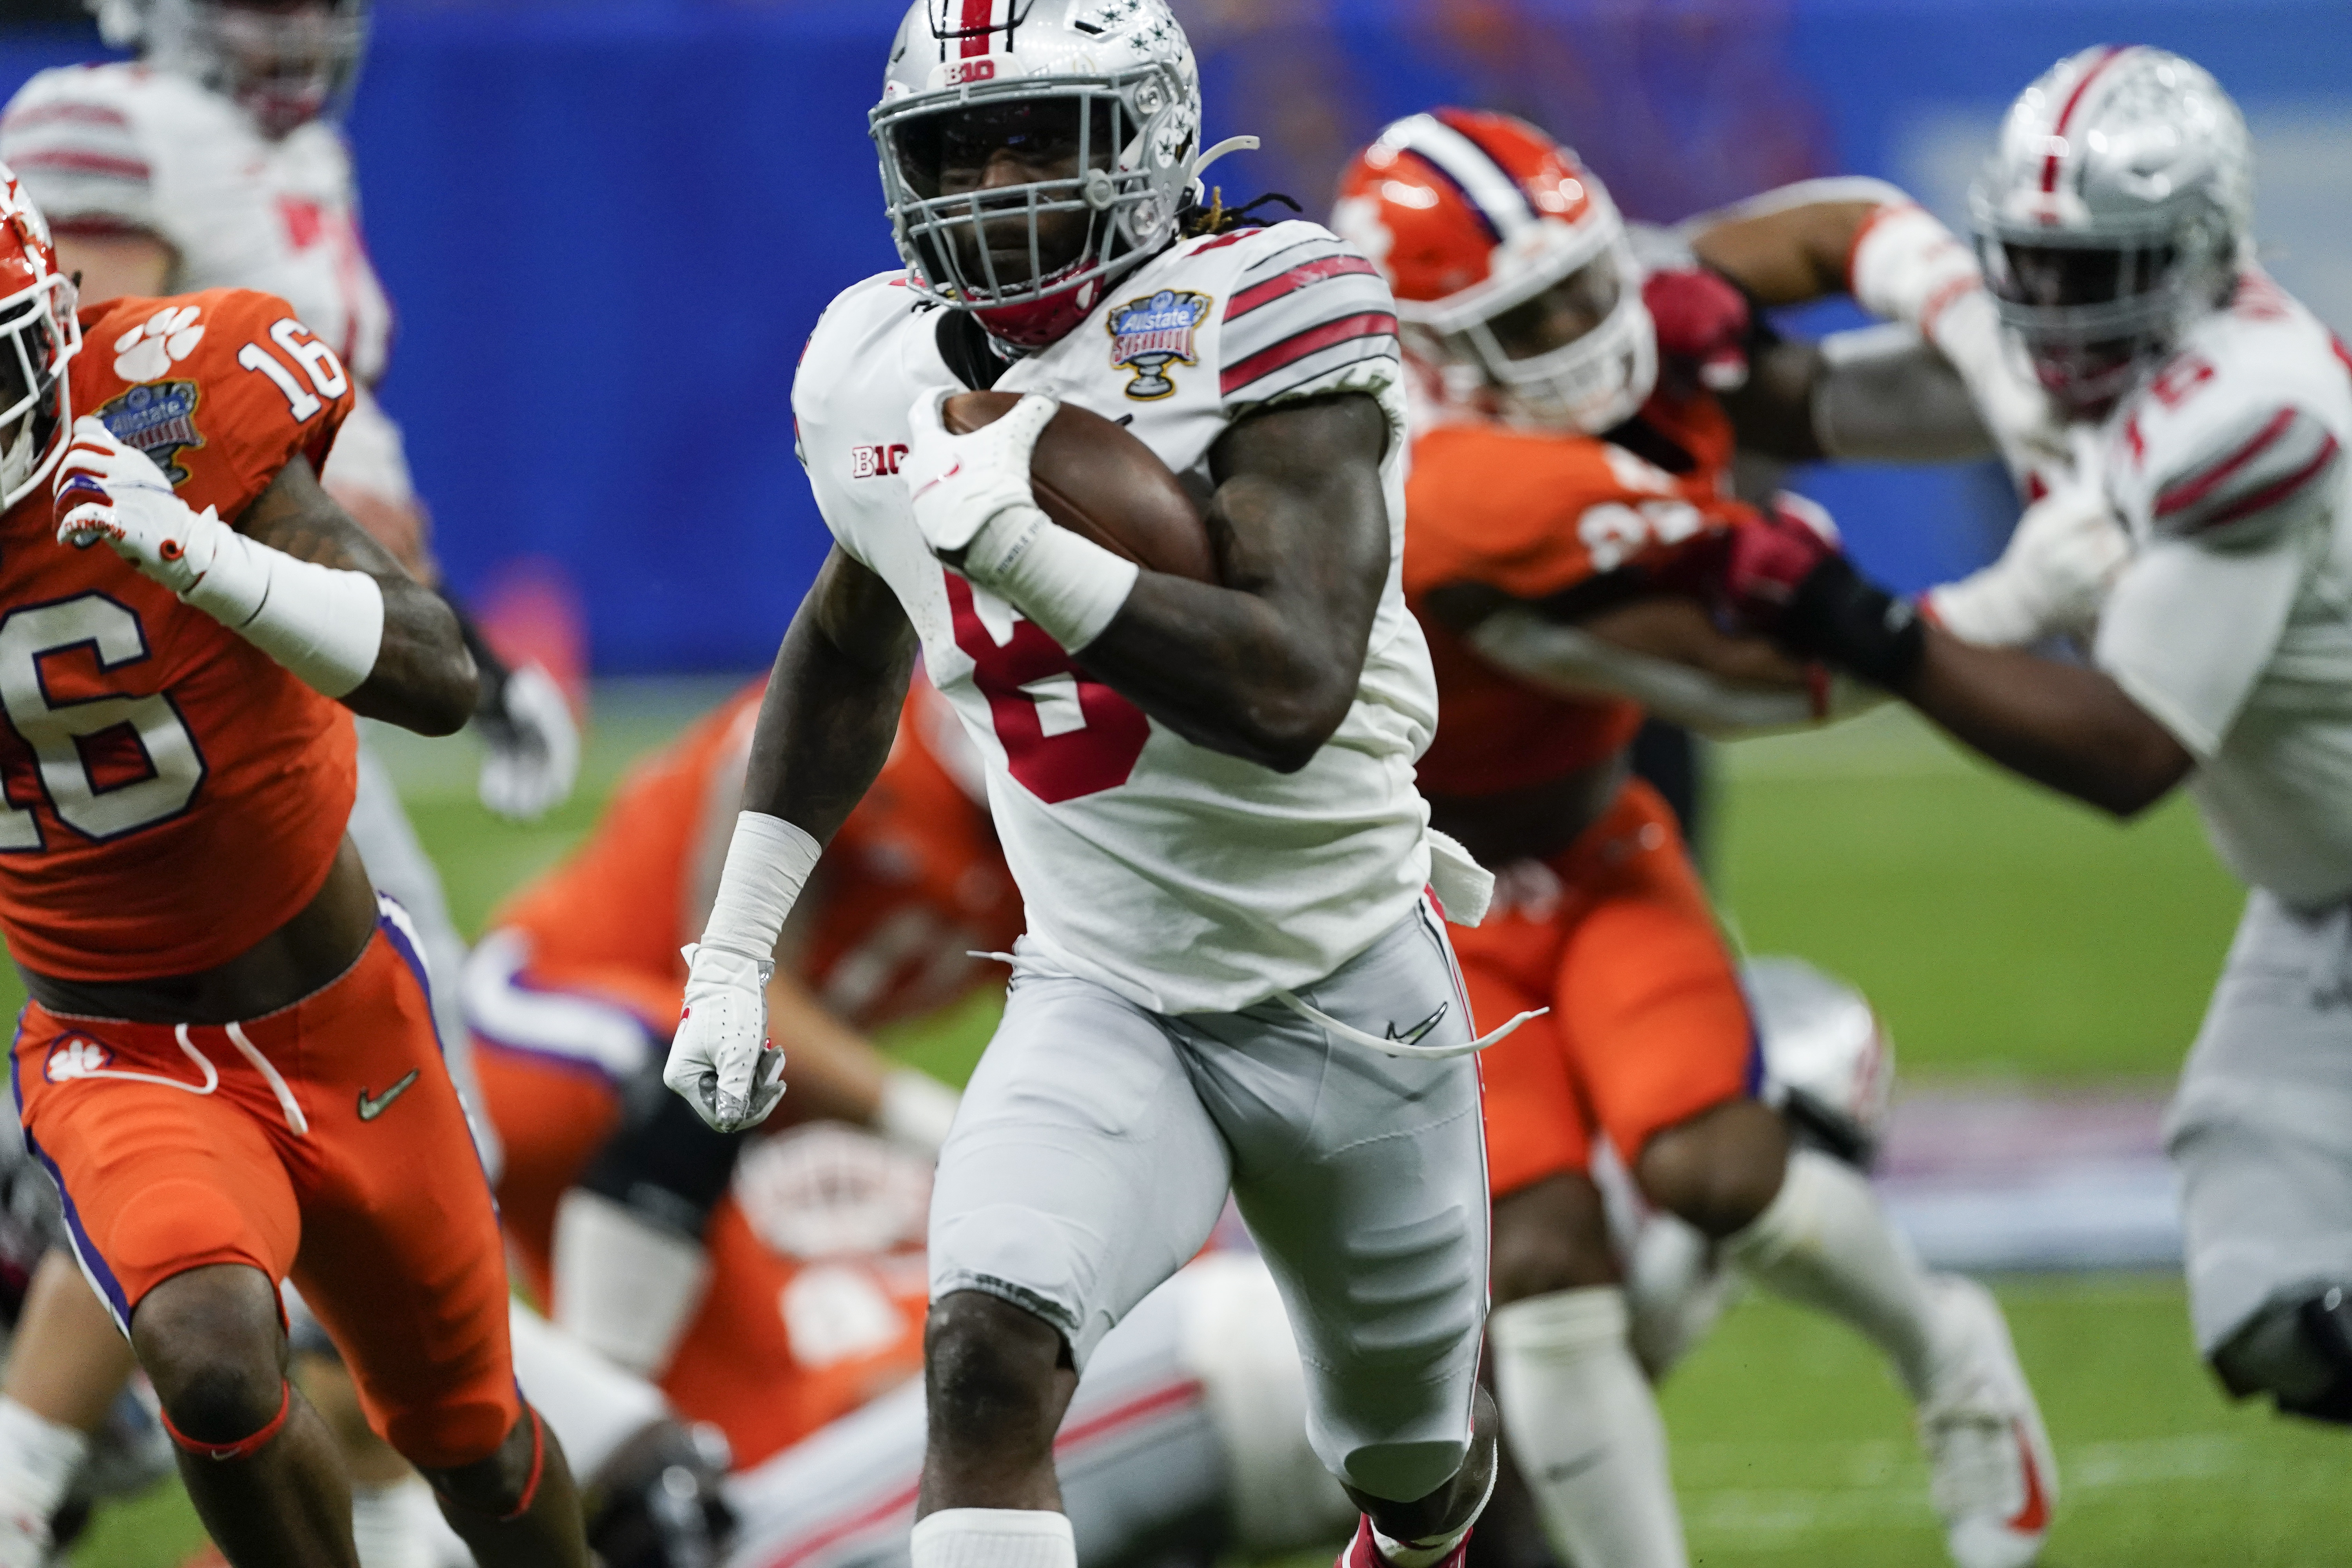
722, 1059
110, 492
958, 483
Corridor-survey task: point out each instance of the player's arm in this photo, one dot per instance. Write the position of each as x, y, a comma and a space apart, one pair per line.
293, 576
422, 679
2183, 638
107, 265
1263, 666
1929, 389
825, 731
1666, 654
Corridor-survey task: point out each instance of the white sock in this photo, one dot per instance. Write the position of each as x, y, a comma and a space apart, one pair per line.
1582, 1424
387, 1527
626, 1288
1826, 1243
591, 1406
992, 1538
38, 1457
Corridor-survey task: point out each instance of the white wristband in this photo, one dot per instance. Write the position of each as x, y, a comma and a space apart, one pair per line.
1071, 586
917, 1109
768, 863
1908, 267
323, 623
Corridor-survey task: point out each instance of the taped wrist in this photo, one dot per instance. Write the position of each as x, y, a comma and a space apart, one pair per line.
323, 623
1842, 616
768, 863
1985, 608
1908, 267
1071, 586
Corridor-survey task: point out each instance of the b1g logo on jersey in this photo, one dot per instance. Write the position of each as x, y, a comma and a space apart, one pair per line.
75, 1056
875, 461
160, 419
1147, 336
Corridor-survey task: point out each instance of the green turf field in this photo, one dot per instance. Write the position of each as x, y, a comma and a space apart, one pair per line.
2001, 935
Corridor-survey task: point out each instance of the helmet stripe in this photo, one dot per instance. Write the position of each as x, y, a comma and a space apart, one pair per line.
1489, 187
977, 16
2066, 114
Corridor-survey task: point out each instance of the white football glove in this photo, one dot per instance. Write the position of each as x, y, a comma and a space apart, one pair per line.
2067, 551
114, 493
722, 1059
2023, 423
959, 484
533, 757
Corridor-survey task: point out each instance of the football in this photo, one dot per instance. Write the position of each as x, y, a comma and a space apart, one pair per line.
1094, 479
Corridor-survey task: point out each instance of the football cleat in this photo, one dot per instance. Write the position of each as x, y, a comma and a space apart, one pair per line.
1991, 1473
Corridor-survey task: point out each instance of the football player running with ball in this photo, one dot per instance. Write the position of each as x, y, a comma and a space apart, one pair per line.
1232, 978
1564, 479
2209, 410
228, 1064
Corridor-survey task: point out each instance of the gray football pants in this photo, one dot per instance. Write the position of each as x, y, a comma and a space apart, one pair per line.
1097, 1141
2261, 1128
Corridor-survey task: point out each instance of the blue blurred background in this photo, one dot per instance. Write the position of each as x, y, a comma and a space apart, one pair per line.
608, 225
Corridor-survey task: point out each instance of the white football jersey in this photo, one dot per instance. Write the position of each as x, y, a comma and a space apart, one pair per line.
124, 147
1183, 879
120, 147
2232, 625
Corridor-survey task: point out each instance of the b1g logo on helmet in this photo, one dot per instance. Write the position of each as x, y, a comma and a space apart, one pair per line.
75, 1056
1148, 335
160, 419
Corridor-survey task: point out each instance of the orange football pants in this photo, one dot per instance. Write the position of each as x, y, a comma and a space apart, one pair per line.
554, 1109
323, 1143
1648, 1024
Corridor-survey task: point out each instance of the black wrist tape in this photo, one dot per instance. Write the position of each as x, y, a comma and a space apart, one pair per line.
1842, 616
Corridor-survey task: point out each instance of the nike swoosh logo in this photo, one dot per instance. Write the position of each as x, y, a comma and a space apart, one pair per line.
1568, 1469
1413, 1036
373, 1105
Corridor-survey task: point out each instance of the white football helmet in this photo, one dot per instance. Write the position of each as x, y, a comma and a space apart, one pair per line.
287, 65
2116, 210
1117, 76
39, 335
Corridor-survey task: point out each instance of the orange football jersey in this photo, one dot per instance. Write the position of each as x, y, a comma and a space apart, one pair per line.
912, 883
782, 1345
1534, 514
173, 793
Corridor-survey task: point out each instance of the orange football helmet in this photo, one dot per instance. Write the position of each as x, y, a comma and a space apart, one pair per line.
1510, 266
38, 336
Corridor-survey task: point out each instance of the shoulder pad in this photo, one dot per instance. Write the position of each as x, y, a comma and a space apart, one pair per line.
2251, 475
220, 388
1305, 312
75, 138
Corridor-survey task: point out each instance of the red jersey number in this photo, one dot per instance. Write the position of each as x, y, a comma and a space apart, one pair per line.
1064, 733
111, 763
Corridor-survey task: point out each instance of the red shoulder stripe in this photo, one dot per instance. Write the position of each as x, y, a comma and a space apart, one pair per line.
1297, 277
2272, 495
2190, 491
45, 113
1368, 324
87, 164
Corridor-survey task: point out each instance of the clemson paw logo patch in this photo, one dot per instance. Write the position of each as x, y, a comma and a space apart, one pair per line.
167, 337
1148, 335
75, 1056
